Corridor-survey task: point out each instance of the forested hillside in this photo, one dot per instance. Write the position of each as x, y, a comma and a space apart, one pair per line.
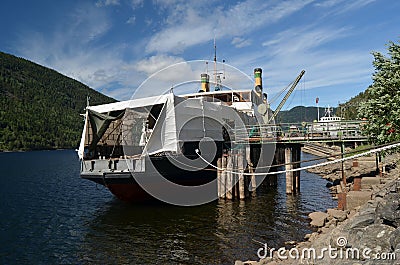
39, 107
299, 114
349, 110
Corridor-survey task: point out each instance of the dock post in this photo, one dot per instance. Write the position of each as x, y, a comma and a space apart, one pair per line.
219, 178
242, 192
289, 174
296, 174
298, 166
236, 176
294, 165
246, 186
224, 177
342, 149
253, 182
229, 179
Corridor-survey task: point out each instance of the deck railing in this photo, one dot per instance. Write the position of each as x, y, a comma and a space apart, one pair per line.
313, 131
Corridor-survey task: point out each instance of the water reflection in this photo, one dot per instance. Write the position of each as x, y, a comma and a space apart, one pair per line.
54, 217
149, 233
216, 233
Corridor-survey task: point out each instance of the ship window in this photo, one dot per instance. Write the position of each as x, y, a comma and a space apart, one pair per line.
245, 96
225, 97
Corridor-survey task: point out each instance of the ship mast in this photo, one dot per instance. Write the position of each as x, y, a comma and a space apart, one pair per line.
215, 62
217, 75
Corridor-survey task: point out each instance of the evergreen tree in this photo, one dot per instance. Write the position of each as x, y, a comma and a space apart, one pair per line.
39, 108
382, 109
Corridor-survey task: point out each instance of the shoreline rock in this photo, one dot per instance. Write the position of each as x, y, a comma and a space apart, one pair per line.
318, 219
371, 223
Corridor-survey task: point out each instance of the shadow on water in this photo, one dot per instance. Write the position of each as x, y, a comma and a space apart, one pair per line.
56, 217
216, 233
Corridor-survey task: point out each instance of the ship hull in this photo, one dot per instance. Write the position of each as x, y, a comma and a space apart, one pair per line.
125, 187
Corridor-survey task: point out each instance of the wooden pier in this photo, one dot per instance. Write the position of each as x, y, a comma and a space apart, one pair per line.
232, 182
292, 161
234, 162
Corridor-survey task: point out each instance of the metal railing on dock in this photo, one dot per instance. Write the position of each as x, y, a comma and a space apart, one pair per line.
300, 132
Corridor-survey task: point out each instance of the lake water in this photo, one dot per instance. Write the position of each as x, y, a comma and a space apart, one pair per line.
51, 216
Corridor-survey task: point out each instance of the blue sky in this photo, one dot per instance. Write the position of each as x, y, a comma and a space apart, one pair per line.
114, 45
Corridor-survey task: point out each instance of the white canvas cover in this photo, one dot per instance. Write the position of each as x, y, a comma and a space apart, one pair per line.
136, 104
81, 148
180, 120
133, 103
164, 136
188, 120
196, 119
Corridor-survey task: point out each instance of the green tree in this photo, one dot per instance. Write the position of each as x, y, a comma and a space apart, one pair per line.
382, 109
349, 110
40, 108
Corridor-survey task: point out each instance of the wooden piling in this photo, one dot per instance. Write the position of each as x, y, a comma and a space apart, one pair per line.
246, 186
253, 184
241, 177
288, 167
253, 181
229, 168
342, 149
381, 169
219, 178
235, 177
298, 166
296, 157
342, 201
224, 178
293, 167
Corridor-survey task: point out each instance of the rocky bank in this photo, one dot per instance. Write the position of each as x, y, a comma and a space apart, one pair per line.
366, 232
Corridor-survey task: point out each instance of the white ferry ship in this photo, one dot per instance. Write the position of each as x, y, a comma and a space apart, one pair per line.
130, 140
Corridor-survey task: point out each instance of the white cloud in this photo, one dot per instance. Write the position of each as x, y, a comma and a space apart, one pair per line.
78, 48
189, 25
165, 72
70, 50
86, 24
343, 6
137, 3
155, 63
356, 4
329, 3
177, 39
239, 42
184, 76
303, 39
102, 3
131, 20
285, 54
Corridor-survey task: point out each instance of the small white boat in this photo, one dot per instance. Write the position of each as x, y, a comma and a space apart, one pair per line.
333, 126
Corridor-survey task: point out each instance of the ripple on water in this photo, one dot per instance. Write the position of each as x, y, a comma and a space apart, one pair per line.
55, 217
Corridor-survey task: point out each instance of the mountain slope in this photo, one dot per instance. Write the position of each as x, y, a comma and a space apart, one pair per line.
299, 114
350, 108
39, 107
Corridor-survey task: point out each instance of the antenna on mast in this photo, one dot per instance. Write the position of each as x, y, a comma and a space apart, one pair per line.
215, 59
